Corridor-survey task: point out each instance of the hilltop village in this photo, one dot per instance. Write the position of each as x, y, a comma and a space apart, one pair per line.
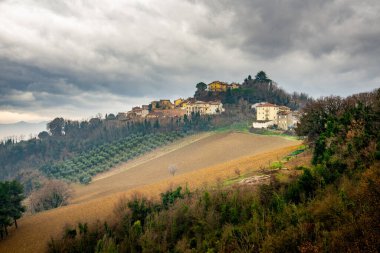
165, 108
268, 115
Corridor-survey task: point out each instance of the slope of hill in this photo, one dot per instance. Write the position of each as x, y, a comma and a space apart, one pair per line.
330, 206
205, 152
220, 153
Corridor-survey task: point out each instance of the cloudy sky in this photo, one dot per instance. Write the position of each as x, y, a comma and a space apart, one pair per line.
79, 58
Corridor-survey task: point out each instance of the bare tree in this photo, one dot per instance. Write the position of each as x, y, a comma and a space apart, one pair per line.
53, 194
172, 169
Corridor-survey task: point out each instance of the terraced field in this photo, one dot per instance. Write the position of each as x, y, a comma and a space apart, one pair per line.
201, 160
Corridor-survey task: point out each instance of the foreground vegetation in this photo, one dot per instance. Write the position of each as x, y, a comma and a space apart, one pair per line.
331, 207
11, 209
81, 168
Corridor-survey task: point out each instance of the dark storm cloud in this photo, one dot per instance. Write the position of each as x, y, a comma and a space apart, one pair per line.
93, 56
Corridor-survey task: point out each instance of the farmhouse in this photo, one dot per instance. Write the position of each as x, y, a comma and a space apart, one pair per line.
269, 114
266, 112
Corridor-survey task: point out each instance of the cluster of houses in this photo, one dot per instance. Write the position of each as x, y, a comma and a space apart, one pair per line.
166, 109
269, 115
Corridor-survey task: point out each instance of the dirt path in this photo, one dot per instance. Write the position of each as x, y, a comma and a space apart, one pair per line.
203, 162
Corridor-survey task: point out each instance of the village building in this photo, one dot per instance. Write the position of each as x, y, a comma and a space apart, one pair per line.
233, 86
287, 120
171, 113
131, 115
215, 107
217, 86
183, 105
122, 116
178, 102
284, 120
283, 108
266, 112
138, 112
197, 107
268, 115
263, 124
162, 104
154, 115
154, 104
254, 106
166, 104
205, 108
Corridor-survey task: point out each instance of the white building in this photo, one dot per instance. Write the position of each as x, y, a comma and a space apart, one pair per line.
263, 124
215, 107
205, 108
266, 112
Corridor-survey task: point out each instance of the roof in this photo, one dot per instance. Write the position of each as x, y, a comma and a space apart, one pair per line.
214, 102
224, 83
284, 113
267, 105
283, 107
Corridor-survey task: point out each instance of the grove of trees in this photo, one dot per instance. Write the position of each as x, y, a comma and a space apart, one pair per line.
87, 164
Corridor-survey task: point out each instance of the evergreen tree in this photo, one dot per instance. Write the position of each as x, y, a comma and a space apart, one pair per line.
11, 195
261, 76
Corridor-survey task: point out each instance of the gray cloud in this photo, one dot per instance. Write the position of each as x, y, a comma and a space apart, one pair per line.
83, 57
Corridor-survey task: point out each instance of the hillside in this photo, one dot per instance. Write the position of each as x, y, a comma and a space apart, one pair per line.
330, 204
208, 150
204, 161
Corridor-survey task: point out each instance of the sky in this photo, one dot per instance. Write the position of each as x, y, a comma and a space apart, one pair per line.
75, 59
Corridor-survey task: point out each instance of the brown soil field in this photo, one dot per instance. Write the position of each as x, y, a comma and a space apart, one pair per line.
201, 161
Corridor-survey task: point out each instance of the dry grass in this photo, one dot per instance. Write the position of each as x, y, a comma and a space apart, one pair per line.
148, 179
187, 155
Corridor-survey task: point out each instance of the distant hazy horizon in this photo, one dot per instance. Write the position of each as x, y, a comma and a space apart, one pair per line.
21, 130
